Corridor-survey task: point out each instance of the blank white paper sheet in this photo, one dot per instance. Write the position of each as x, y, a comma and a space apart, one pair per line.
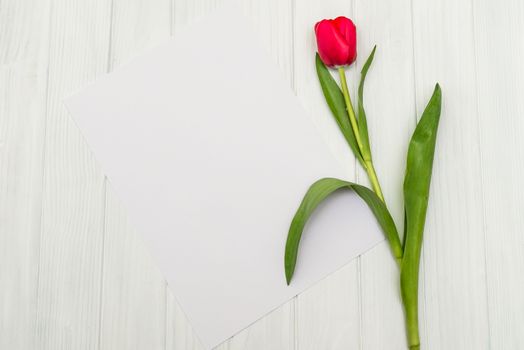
211, 153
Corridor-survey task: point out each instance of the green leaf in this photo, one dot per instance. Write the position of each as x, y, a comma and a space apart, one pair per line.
416, 193
362, 122
314, 196
335, 101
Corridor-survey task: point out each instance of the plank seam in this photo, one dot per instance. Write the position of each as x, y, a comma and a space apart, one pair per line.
171, 16
168, 307
293, 23
481, 176
110, 41
44, 149
104, 191
102, 258
166, 303
294, 302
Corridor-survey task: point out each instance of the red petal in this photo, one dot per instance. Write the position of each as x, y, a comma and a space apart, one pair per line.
346, 27
332, 48
316, 26
348, 30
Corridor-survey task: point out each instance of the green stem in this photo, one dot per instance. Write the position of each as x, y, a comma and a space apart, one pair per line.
413, 337
374, 179
411, 312
366, 156
370, 169
349, 107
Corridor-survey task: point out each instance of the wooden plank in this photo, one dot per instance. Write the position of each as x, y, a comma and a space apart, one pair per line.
136, 26
22, 24
455, 306
389, 101
133, 289
22, 88
23, 77
500, 78
328, 314
69, 288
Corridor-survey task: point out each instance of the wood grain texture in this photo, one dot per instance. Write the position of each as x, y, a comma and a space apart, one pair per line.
22, 129
23, 80
74, 274
22, 24
500, 79
72, 223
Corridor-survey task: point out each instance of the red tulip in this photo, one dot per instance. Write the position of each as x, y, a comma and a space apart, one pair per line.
336, 41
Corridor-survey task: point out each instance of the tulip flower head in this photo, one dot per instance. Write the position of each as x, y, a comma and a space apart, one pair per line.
336, 41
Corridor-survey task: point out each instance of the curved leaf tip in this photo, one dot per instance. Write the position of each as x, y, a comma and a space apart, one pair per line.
317, 193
